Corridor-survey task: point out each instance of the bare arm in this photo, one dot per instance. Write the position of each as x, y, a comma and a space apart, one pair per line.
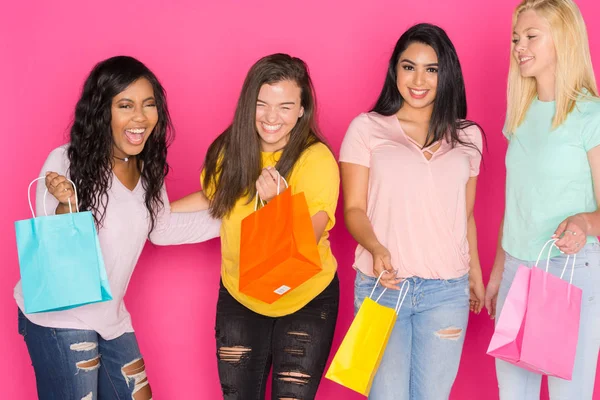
491, 293
500, 255
592, 219
355, 182
471, 226
577, 227
319, 221
475, 277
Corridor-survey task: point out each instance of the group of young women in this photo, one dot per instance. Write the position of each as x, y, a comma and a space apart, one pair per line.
409, 172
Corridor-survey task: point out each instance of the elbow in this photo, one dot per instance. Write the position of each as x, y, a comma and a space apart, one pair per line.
471, 228
352, 216
350, 211
159, 239
347, 216
471, 217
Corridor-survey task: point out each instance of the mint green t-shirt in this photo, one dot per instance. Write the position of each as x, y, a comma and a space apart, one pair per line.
548, 176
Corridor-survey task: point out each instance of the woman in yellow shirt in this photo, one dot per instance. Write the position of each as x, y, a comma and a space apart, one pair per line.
273, 132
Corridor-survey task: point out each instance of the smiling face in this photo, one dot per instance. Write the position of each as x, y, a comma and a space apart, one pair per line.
133, 118
533, 47
278, 109
417, 76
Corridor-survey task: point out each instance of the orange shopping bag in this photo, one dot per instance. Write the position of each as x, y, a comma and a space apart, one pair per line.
278, 249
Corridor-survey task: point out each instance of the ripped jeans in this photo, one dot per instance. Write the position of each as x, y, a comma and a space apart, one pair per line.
423, 353
74, 364
296, 345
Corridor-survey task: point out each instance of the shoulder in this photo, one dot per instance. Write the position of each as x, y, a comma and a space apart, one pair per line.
371, 119
60, 152
315, 169
58, 160
318, 152
472, 134
589, 109
317, 160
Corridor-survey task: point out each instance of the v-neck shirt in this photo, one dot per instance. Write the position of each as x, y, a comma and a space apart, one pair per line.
122, 237
417, 207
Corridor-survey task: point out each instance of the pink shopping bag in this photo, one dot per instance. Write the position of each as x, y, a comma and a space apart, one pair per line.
548, 326
508, 333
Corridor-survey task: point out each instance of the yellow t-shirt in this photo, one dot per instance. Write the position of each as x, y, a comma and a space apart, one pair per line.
316, 174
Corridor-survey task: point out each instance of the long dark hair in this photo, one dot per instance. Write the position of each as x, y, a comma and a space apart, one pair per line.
233, 161
91, 144
450, 104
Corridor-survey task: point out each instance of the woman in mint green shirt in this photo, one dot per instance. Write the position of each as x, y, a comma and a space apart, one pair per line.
552, 179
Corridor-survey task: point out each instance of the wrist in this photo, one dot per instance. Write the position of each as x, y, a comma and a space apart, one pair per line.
268, 198
62, 208
496, 274
475, 272
587, 222
475, 279
375, 247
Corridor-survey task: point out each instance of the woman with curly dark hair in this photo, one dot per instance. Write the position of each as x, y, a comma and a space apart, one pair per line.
117, 158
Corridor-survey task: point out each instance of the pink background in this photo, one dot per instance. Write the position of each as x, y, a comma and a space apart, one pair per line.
201, 51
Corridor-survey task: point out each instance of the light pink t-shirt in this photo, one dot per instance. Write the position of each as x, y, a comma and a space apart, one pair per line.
417, 206
122, 237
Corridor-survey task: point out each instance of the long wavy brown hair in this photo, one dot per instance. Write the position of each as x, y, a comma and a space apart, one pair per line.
233, 161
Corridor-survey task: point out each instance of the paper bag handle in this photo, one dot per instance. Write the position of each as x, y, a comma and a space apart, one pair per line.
278, 187
46, 193
401, 296
552, 243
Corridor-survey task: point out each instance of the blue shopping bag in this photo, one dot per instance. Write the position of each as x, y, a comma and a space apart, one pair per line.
60, 260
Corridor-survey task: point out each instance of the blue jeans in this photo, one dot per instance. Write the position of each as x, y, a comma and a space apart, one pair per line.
423, 353
73, 364
519, 384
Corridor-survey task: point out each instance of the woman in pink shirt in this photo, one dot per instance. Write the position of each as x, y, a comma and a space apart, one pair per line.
117, 158
409, 172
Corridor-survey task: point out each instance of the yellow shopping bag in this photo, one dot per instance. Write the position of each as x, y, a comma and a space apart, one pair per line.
356, 361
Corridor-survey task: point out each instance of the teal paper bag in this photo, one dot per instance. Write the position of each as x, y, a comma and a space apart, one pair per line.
60, 261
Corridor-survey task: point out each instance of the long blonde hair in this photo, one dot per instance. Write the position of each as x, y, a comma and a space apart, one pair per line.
574, 72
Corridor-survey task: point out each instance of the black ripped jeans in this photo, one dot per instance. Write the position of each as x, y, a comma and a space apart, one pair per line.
296, 345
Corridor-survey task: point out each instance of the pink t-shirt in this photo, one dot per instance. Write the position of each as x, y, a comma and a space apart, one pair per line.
417, 206
122, 237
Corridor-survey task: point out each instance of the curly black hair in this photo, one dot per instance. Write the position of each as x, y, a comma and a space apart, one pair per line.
90, 151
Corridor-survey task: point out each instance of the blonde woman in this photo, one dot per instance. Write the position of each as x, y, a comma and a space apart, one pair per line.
553, 179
